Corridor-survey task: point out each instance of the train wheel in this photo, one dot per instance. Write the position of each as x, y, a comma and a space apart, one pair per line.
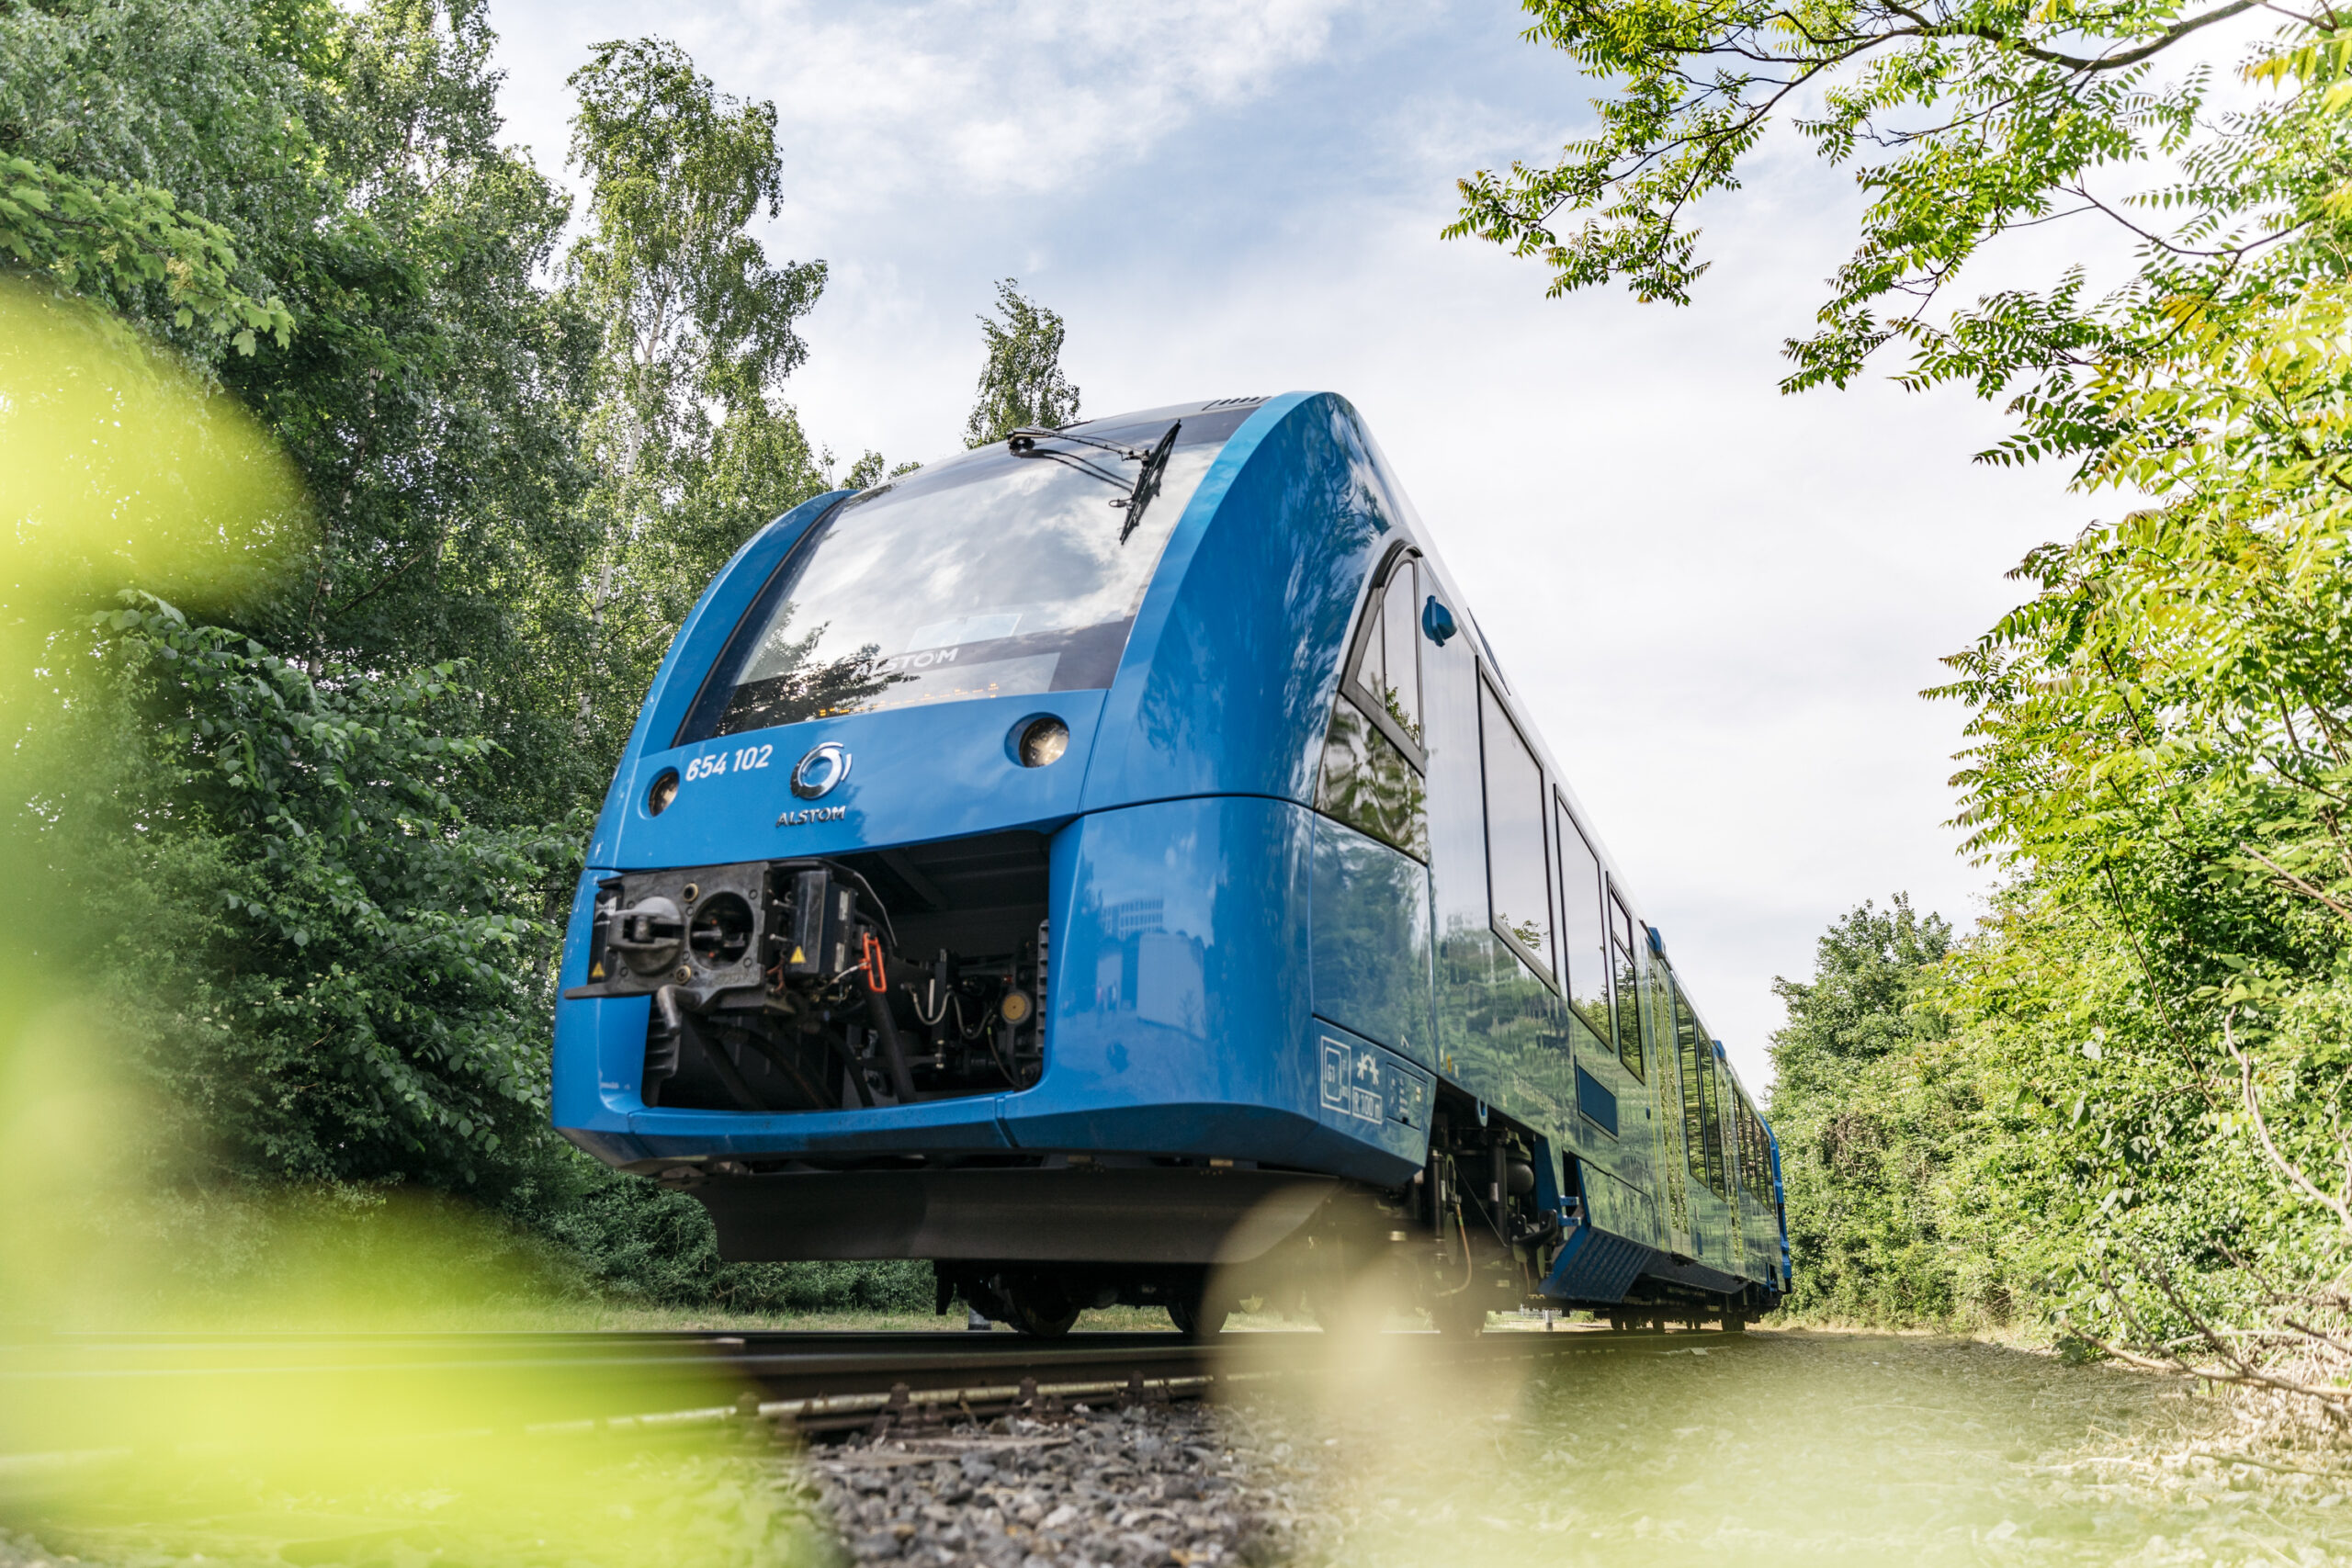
1040, 1309
1200, 1316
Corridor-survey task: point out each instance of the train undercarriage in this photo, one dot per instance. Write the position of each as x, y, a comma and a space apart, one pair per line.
1034, 1241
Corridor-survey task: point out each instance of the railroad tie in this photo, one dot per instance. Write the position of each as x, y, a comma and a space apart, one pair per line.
895, 1411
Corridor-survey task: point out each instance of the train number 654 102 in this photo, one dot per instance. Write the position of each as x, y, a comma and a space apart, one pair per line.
739, 760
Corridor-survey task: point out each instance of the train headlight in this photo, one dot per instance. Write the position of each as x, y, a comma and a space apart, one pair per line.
1043, 742
665, 791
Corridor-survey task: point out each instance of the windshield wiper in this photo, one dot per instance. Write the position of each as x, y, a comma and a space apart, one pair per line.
1024, 443
1148, 481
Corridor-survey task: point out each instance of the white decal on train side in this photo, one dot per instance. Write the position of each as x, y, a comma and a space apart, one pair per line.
900, 663
1351, 1080
742, 760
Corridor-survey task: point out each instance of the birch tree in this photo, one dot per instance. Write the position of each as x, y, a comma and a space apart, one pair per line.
1021, 383
698, 330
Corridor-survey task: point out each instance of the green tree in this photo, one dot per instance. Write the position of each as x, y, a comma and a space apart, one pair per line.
1863, 1130
1021, 383
109, 191
333, 969
425, 385
317, 824
691, 444
346, 803
1863, 1000
2158, 752
2208, 380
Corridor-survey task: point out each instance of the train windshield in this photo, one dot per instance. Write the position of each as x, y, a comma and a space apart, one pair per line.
990, 574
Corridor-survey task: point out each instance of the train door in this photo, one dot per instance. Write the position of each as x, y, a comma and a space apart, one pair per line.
1666, 1091
1733, 1105
1615, 1125
1756, 1191
1703, 1124
1522, 1036
1502, 1029
1369, 908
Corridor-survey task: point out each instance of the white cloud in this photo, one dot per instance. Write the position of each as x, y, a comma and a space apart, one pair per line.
880, 103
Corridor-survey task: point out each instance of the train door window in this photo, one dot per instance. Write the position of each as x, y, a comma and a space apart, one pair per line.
1368, 783
1388, 673
1584, 940
1628, 978
1384, 671
1372, 755
1517, 862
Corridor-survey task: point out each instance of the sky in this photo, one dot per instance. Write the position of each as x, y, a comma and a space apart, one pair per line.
1719, 603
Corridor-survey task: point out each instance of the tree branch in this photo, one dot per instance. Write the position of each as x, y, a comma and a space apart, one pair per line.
2086, 64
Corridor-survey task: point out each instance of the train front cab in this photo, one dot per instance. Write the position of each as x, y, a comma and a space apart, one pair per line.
1251, 893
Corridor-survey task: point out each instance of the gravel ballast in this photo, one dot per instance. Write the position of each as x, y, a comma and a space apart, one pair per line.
1184, 1483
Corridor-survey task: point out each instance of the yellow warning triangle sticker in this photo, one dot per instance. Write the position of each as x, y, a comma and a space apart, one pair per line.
596, 971
798, 956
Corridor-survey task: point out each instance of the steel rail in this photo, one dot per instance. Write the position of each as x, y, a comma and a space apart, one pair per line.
811, 1381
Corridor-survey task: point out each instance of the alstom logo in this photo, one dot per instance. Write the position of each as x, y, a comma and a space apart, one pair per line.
820, 771
812, 814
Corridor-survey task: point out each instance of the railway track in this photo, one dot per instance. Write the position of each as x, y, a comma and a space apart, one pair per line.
87, 1386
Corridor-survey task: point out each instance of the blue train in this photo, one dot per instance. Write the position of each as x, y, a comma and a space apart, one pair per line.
1111, 864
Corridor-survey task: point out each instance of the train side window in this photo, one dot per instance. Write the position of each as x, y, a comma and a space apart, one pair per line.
1736, 1170
1711, 1103
1584, 940
1687, 1055
1757, 1163
1627, 1012
1751, 1151
1736, 1109
1701, 1113
1763, 1159
1517, 863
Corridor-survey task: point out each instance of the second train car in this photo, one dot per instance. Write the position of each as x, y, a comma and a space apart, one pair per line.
1111, 864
